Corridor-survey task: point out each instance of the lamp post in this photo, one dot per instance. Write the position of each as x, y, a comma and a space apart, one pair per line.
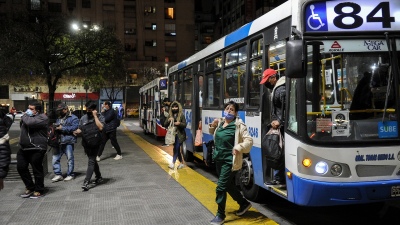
166, 69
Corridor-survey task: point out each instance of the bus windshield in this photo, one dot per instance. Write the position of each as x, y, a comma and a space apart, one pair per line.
350, 94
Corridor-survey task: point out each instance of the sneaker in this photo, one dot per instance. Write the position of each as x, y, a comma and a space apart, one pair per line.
243, 209
27, 194
85, 185
118, 157
36, 195
68, 178
165, 145
98, 180
57, 178
98, 158
217, 221
181, 166
171, 166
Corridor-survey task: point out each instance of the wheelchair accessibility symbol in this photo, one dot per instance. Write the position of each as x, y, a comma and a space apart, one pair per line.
314, 21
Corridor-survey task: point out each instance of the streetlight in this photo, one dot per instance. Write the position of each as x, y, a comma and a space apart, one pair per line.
166, 69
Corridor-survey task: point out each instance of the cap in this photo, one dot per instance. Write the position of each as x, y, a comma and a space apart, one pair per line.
267, 74
62, 106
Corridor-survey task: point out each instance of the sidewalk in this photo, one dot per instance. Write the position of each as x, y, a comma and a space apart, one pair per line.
135, 191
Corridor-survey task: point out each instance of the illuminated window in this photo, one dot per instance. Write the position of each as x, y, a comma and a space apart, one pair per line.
170, 13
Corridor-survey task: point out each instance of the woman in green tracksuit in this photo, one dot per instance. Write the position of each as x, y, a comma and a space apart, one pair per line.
231, 141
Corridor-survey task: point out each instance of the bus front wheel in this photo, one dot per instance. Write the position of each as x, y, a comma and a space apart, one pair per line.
250, 190
187, 155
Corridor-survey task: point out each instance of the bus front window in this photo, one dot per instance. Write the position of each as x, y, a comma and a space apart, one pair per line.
346, 95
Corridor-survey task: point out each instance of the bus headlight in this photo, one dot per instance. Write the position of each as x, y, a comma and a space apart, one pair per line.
336, 170
321, 167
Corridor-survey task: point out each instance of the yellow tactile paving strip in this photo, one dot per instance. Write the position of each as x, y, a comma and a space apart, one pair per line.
198, 186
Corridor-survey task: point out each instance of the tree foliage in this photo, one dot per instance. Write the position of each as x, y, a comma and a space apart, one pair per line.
43, 49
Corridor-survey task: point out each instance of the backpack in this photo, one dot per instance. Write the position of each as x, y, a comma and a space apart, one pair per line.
53, 136
91, 135
272, 147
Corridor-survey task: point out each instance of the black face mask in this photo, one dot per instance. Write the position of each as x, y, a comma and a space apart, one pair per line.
175, 111
269, 85
89, 113
61, 114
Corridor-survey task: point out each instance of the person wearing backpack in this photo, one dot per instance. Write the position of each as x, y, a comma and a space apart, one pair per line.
32, 149
110, 130
5, 150
278, 98
89, 141
66, 124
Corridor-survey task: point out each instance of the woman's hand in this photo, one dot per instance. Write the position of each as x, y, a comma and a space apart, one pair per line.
171, 119
215, 123
177, 123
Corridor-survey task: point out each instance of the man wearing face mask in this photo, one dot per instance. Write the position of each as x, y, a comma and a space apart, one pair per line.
91, 116
66, 123
278, 98
110, 130
33, 146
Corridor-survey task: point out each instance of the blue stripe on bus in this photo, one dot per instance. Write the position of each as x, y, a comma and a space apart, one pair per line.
182, 65
238, 34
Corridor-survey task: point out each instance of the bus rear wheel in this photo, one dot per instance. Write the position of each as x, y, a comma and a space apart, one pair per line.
250, 190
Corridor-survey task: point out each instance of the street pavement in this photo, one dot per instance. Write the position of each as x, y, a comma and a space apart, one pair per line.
135, 190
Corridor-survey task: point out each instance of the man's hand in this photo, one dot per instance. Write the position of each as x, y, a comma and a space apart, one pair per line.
76, 132
215, 123
275, 124
94, 113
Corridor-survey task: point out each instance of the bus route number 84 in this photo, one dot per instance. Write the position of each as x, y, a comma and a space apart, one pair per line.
372, 17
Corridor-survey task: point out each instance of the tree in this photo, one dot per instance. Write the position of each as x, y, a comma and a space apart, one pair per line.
45, 48
148, 73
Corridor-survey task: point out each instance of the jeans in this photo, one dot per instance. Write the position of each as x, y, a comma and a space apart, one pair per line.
113, 137
177, 151
67, 149
35, 158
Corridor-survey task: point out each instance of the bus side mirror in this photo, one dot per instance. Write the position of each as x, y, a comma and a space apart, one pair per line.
294, 59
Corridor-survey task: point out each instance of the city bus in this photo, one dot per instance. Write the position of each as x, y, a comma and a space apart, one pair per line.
341, 65
151, 96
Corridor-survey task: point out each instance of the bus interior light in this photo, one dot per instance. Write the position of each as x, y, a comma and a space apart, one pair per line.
321, 167
306, 162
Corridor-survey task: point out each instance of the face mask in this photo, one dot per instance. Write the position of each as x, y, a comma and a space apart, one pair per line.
269, 85
229, 116
61, 113
175, 111
29, 112
89, 113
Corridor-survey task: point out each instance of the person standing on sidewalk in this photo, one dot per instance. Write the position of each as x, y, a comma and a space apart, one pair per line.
231, 141
5, 150
90, 117
177, 117
110, 130
33, 147
164, 115
66, 124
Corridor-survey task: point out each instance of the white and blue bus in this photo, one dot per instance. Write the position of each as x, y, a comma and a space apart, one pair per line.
341, 64
150, 106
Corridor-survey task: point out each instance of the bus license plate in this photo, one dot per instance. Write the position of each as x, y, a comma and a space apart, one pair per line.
395, 191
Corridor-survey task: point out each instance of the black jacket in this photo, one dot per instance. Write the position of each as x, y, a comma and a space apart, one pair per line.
111, 120
34, 132
5, 150
278, 101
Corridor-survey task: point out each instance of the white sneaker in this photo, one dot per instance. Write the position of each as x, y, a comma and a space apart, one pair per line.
98, 158
171, 166
118, 157
68, 178
181, 166
57, 178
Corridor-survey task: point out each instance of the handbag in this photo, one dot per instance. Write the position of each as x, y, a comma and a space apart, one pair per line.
170, 136
272, 147
198, 141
